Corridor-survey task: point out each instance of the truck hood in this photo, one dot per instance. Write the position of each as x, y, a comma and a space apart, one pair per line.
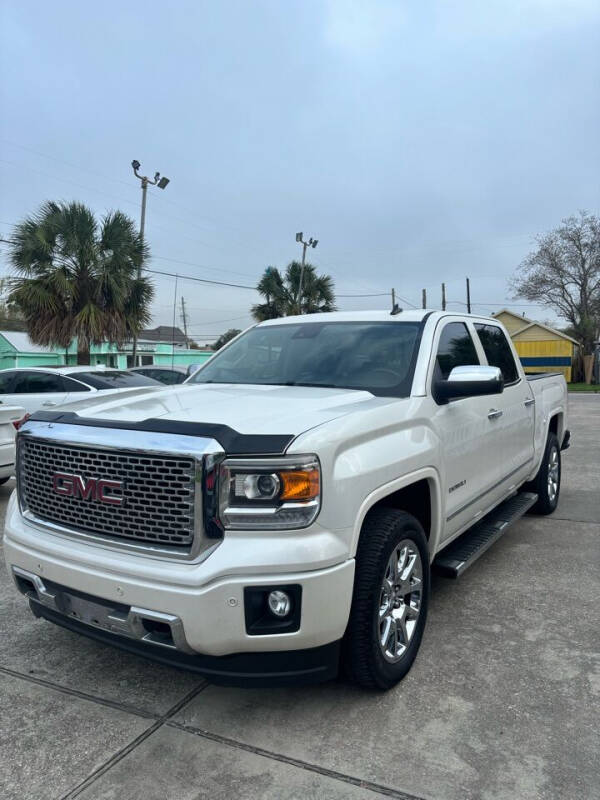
248, 409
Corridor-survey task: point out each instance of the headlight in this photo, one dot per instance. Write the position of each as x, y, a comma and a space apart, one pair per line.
273, 494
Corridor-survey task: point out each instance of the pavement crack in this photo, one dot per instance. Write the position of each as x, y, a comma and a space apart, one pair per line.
124, 751
118, 756
378, 788
126, 707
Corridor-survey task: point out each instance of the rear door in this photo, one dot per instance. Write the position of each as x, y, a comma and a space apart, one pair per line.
35, 390
515, 407
469, 438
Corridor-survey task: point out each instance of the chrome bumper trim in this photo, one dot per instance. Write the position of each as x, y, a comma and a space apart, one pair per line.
98, 613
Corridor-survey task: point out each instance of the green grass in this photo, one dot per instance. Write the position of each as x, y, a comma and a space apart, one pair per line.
583, 387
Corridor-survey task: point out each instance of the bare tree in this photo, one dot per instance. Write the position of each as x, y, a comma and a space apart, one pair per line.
563, 273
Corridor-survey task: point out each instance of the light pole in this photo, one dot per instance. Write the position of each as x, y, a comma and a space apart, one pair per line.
311, 243
162, 184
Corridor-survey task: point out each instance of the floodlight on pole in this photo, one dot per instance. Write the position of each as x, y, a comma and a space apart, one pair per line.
146, 181
311, 243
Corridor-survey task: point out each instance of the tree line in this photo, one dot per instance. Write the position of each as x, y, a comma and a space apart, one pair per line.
76, 277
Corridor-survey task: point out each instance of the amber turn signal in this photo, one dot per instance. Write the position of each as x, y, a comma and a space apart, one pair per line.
299, 484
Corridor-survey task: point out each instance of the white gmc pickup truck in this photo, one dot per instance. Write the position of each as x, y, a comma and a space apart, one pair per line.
278, 516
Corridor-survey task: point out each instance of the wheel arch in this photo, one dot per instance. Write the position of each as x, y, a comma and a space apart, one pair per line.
556, 425
417, 493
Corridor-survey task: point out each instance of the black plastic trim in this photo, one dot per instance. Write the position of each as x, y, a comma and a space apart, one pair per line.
234, 443
538, 376
278, 668
566, 442
258, 618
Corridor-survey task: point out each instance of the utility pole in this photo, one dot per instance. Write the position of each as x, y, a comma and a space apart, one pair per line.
468, 296
162, 184
311, 243
184, 319
443, 296
424, 298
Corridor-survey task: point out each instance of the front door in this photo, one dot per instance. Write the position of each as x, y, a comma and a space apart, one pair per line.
469, 438
34, 390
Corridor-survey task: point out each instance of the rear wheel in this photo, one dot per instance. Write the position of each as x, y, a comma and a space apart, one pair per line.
546, 483
390, 601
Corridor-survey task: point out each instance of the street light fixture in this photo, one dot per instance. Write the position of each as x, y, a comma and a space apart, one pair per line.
311, 243
146, 181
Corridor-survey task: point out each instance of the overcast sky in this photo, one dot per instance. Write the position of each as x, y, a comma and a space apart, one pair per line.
420, 142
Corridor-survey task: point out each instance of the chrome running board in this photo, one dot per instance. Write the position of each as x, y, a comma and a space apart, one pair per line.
460, 554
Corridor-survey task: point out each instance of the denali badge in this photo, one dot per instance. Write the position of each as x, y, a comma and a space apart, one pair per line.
91, 489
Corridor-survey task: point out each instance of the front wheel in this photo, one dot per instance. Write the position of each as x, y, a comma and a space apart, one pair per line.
390, 600
546, 483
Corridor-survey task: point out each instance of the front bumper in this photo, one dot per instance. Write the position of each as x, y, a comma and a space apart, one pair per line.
203, 607
283, 668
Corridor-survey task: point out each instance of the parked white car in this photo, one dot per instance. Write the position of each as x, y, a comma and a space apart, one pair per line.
36, 388
10, 416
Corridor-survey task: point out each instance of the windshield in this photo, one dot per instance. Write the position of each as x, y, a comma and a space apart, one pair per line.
115, 379
374, 356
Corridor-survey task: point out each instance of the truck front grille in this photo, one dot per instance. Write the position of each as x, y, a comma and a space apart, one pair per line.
112, 493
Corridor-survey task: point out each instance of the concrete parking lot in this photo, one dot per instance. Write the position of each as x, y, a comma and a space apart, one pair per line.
502, 702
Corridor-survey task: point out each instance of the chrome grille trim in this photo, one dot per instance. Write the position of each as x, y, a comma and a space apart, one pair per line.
162, 513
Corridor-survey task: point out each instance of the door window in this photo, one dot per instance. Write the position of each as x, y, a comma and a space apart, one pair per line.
74, 386
455, 349
36, 383
497, 351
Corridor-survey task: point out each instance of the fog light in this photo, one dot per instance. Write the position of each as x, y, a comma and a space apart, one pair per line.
280, 603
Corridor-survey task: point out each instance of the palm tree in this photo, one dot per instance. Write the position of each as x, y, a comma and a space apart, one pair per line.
281, 292
79, 278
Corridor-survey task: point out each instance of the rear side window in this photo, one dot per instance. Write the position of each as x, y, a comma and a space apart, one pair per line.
115, 379
455, 349
167, 376
36, 383
74, 386
497, 351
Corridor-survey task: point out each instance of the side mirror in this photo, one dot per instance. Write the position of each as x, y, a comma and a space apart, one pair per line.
468, 382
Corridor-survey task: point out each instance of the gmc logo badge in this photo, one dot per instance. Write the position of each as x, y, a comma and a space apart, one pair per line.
91, 489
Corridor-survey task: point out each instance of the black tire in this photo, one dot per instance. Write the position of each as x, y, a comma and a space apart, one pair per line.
5, 480
547, 501
363, 659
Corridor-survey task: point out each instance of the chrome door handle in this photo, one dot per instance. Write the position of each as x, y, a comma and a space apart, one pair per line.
493, 414
529, 401
49, 403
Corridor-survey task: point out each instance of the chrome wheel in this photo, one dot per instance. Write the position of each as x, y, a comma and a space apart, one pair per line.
400, 600
553, 474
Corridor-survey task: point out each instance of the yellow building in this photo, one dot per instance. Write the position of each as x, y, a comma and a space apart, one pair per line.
540, 348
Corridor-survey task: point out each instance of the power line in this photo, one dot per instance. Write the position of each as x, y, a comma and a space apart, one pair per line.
201, 266
379, 294
118, 180
178, 275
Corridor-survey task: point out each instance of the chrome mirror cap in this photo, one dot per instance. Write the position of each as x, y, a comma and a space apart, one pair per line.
475, 373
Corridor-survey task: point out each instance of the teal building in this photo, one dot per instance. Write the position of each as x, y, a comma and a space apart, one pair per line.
161, 345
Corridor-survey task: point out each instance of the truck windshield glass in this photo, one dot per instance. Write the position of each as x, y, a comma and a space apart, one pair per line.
377, 357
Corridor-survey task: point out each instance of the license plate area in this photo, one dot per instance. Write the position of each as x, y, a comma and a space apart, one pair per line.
134, 622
